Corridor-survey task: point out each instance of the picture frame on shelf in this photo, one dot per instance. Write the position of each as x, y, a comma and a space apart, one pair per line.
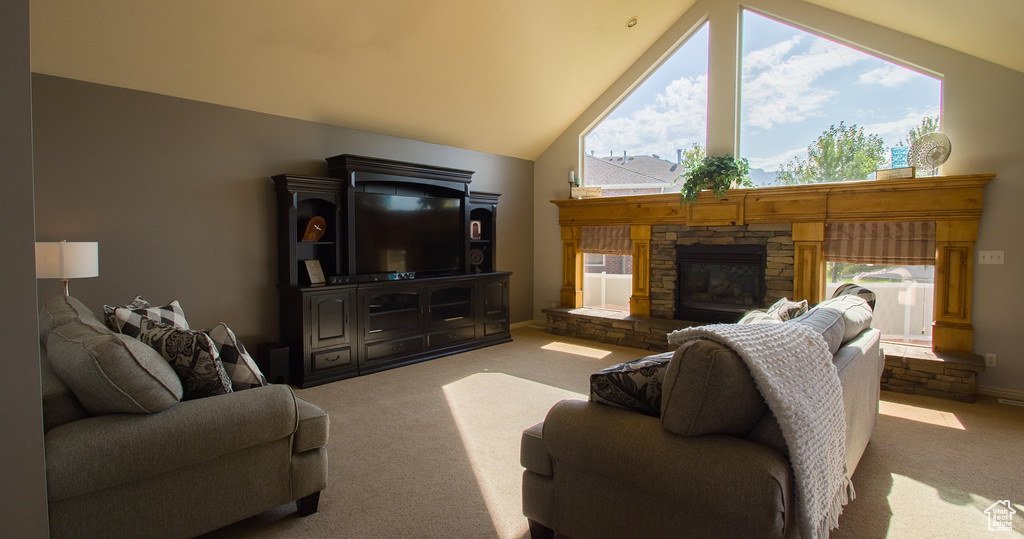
315, 272
475, 229
894, 173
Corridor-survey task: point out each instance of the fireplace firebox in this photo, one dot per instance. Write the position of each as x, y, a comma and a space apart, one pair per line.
718, 283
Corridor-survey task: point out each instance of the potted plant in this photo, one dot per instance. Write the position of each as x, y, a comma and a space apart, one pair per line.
715, 173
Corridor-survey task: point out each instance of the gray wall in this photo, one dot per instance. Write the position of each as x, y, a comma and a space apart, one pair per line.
178, 195
981, 113
22, 472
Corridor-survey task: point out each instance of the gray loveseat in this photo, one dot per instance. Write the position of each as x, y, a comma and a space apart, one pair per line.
594, 470
125, 458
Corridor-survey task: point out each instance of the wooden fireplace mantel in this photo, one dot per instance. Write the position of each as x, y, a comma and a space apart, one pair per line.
953, 202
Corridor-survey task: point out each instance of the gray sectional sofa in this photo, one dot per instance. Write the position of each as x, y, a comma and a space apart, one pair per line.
125, 457
601, 469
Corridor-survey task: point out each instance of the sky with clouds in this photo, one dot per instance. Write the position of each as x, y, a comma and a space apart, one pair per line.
794, 86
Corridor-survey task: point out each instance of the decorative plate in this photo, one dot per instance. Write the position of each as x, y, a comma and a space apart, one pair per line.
929, 151
476, 257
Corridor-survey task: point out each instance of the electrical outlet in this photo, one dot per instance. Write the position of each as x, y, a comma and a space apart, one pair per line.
990, 257
990, 360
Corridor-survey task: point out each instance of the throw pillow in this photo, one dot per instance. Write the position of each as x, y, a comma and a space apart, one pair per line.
108, 311
758, 317
129, 321
634, 385
855, 312
709, 390
827, 322
787, 310
193, 356
237, 362
856, 290
111, 373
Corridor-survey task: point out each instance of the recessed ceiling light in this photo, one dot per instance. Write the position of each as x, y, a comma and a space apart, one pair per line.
632, 22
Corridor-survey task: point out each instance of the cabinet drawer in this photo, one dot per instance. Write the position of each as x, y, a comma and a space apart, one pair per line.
396, 347
496, 326
332, 359
454, 335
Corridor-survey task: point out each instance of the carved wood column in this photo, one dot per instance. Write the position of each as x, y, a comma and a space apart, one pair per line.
809, 262
640, 301
954, 268
572, 268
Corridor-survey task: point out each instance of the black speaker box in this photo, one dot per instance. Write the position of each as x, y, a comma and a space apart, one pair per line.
272, 359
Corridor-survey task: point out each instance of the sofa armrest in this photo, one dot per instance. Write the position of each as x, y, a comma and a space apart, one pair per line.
98, 452
635, 450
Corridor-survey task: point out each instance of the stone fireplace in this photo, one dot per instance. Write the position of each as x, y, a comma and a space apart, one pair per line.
718, 283
717, 273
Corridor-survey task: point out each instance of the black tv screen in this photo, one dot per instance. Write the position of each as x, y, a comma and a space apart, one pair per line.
397, 233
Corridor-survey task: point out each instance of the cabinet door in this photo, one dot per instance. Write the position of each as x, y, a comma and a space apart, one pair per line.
496, 298
450, 305
390, 312
329, 315
495, 306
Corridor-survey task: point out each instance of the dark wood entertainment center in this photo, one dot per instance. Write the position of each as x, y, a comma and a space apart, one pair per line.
371, 315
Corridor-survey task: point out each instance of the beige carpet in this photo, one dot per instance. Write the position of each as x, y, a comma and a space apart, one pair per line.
432, 450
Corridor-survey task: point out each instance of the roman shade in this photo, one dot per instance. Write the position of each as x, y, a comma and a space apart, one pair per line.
903, 243
606, 240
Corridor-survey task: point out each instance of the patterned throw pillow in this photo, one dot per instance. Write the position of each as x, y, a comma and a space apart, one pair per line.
787, 310
129, 321
635, 385
237, 362
193, 356
108, 311
856, 290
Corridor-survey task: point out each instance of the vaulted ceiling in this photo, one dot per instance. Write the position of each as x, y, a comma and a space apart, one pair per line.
498, 77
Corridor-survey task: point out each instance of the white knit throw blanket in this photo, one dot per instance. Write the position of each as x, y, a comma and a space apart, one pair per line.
793, 369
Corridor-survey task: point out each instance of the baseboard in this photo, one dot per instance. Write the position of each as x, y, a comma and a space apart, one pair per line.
1001, 393
524, 324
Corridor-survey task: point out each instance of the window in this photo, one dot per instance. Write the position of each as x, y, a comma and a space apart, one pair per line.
904, 297
607, 281
638, 148
813, 110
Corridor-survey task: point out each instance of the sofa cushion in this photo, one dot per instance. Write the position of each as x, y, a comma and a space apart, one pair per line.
129, 321
532, 454
855, 312
60, 310
634, 385
193, 356
856, 290
313, 427
111, 373
784, 309
827, 322
768, 432
237, 362
59, 403
708, 390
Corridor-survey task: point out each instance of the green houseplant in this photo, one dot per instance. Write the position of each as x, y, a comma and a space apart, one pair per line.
715, 173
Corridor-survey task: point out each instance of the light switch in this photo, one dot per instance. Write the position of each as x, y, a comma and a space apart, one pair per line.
990, 257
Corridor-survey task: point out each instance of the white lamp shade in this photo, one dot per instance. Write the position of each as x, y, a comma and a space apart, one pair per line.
67, 260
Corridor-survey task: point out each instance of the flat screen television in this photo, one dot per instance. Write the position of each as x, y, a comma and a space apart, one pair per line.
402, 233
